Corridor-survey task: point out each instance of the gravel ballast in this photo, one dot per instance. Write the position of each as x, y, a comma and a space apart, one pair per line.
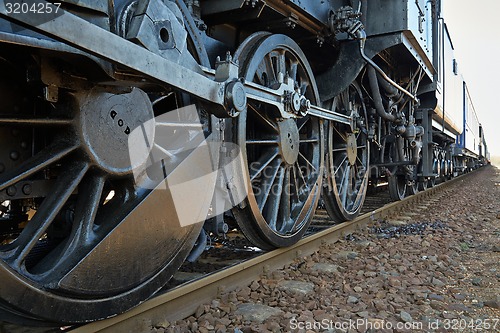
436, 269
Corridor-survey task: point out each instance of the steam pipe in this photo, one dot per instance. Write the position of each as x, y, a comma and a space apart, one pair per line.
389, 88
377, 98
362, 38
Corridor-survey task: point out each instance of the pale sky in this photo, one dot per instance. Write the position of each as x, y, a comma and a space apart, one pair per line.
474, 30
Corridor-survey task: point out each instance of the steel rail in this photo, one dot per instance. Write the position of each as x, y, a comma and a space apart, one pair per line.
183, 300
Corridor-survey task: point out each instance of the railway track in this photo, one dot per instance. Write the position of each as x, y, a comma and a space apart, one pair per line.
183, 300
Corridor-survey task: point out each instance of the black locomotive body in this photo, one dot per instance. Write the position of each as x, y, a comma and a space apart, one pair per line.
130, 129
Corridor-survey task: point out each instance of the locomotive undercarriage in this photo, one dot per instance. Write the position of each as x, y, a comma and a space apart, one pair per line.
82, 239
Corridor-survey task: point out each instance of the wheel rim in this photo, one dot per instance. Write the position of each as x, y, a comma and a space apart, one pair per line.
91, 270
412, 172
283, 157
431, 182
413, 186
423, 184
347, 157
444, 169
397, 187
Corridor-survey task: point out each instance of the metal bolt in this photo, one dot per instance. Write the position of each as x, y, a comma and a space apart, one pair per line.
11, 191
14, 155
202, 27
27, 189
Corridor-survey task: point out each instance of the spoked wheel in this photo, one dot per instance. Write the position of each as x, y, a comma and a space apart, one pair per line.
451, 172
431, 182
443, 176
283, 156
454, 167
423, 185
398, 186
436, 170
347, 157
422, 182
413, 185
398, 182
85, 239
412, 174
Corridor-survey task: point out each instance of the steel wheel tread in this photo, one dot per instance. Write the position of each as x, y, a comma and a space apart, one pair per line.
347, 157
277, 152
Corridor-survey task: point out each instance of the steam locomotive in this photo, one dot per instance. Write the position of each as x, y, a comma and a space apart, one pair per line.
132, 128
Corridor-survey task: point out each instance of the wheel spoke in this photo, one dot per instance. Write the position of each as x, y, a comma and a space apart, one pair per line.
268, 63
261, 76
285, 201
340, 164
177, 139
262, 117
159, 151
55, 266
183, 125
263, 162
48, 210
360, 161
274, 201
45, 157
303, 122
301, 174
293, 70
342, 135
303, 87
89, 198
267, 184
307, 161
281, 62
345, 184
262, 142
362, 187
296, 182
311, 140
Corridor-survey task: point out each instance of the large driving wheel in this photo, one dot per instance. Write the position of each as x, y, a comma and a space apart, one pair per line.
347, 157
283, 156
82, 238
